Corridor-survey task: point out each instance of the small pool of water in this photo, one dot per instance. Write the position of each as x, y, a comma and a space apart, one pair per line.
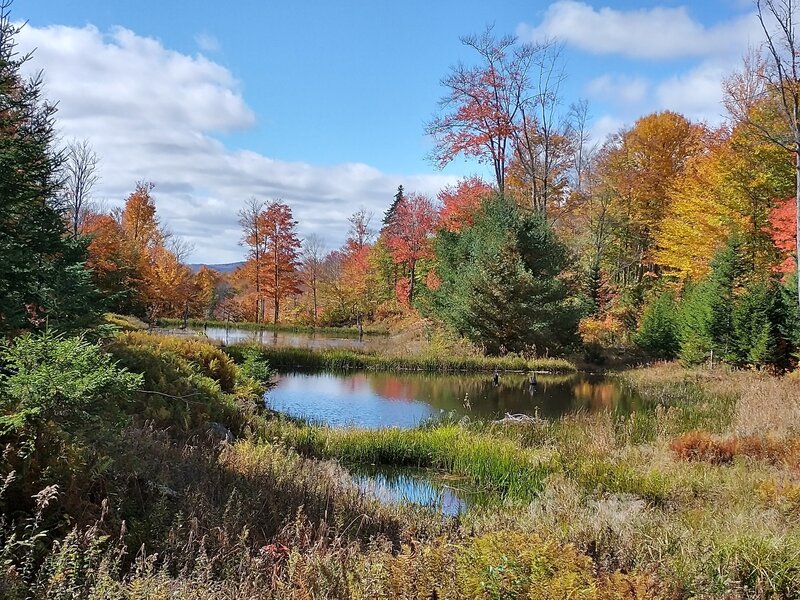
373, 400
415, 486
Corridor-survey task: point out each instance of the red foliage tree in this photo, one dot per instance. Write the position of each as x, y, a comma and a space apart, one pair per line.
409, 236
281, 253
461, 202
484, 103
783, 231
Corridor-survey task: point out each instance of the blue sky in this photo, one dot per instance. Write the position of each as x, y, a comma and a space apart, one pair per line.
324, 103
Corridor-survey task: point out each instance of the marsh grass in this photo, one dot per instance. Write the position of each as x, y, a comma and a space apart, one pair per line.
594, 506
283, 358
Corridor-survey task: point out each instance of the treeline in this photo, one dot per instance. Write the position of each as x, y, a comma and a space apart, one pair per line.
572, 243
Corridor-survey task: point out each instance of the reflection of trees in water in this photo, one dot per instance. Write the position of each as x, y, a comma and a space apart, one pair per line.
552, 396
596, 396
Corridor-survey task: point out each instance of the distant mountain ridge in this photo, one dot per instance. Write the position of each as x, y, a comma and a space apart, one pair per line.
222, 268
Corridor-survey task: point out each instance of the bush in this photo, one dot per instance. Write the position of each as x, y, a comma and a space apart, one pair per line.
60, 409
67, 381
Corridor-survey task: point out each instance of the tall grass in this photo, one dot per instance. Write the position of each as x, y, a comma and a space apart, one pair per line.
283, 358
491, 464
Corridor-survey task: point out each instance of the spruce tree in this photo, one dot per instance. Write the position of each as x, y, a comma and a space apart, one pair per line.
499, 282
658, 331
42, 277
388, 216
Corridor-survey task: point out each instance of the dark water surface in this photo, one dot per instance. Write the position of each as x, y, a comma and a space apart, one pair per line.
373, 400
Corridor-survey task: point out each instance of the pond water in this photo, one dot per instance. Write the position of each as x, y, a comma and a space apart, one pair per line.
393, 485
373, 400
289, 338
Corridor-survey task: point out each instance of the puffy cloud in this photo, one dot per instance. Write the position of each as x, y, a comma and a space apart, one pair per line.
696, 93
151, 113
652, 33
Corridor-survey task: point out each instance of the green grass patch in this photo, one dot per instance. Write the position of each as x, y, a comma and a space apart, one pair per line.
285, 358
491, 464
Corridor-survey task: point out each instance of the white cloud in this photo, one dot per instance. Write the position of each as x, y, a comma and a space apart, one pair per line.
696, 93
652, 33
150, 113
207, 42
618, 88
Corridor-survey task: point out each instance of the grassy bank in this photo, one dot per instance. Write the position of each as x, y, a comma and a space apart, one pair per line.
283, 358
248, 325
134, 492
696, 497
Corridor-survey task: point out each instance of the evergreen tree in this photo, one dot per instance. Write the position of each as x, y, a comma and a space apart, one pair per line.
499, 281
41, 273
658, 331
762, 327
388, 216
706, 311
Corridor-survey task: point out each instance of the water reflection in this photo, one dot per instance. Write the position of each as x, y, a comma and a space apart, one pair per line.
394, 485
366, 399
293, 339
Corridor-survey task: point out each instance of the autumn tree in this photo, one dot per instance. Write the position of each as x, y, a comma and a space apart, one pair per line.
638, 167
771, 82
461, 202
483, 103
361, 232
410, 234
545, 144
783, 231
116, 266
139, 221
280, 252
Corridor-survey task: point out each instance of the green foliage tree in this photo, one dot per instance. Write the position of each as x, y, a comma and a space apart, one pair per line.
41, 272
500, 283
744, 317
762, 327
659, 331
707, 307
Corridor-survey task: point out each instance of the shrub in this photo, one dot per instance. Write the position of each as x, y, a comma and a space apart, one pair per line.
210, 360
67, 381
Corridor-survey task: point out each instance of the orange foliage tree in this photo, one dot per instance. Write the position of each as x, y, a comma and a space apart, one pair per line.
281, 253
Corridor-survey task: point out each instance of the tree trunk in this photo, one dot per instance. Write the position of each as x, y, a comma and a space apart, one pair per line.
314, 291
411, 286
